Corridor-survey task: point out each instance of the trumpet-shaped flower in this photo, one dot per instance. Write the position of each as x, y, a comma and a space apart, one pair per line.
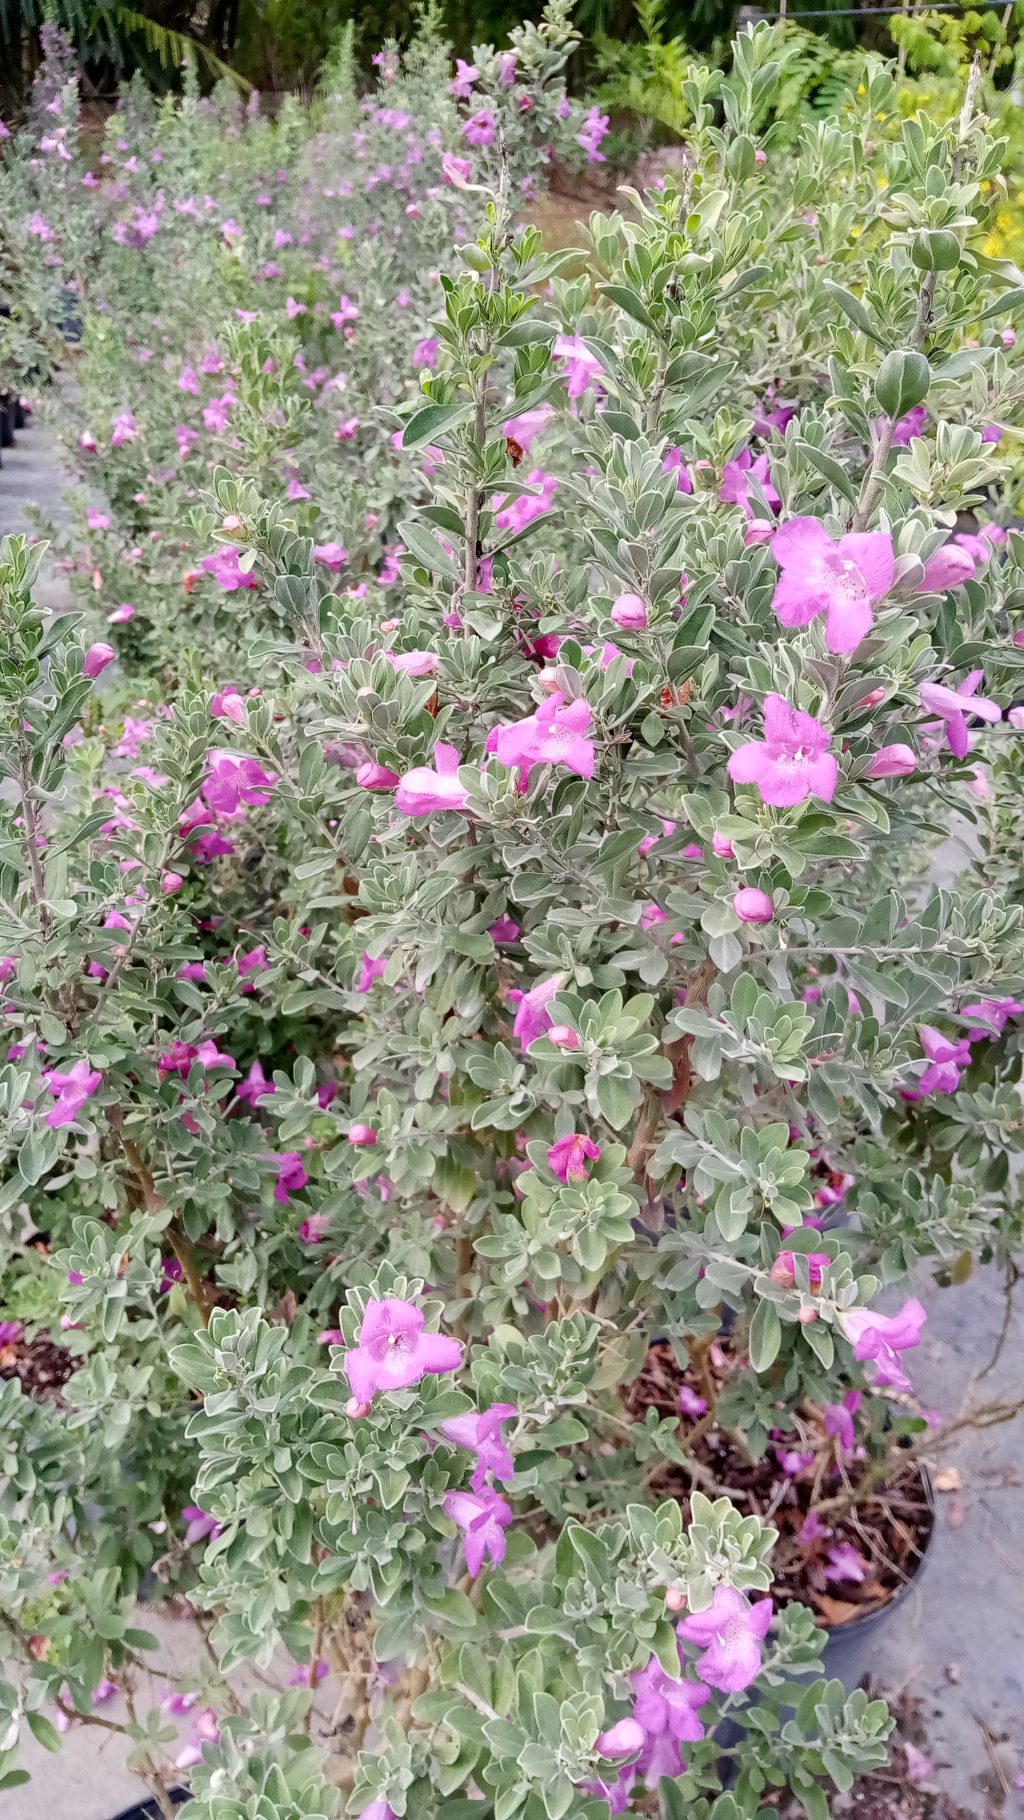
394, 1352
481, 1434
879, 1339
954, 705
792, 762
568, 1158
730, 1633
427, 790
483, 1518
843, 579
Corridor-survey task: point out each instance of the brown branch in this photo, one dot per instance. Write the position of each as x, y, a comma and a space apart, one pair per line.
199, 1289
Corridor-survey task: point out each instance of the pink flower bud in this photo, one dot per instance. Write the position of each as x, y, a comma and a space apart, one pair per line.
722, 848
893, 761
872, 699
1008, 338
621, 1739
753, 906
760, 157
563, 1037
232, 522
807, 1317
361, 1135
170, 883
674, 1599
355, 1409
1016, 718
630, 613
96, 659
783, 1272
376, 777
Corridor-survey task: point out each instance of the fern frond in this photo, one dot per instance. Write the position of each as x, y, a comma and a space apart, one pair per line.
171, 48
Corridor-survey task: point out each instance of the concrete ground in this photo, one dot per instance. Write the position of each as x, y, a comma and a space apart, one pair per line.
956, 1644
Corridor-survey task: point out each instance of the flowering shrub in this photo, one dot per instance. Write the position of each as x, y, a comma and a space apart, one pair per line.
499, 990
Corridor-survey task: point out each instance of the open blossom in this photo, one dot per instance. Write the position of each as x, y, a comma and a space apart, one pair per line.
533, 1018
954, 705
843, 579
792, 762
946, 1058
291, 1176
483, 1518
427, 790
232, 781
994, 1014
479, 128
591, 135
666, 1708
879, 1339
582, 368
568, 1158
125, 428
332, 555
465, 76
394, 1352
690, 1404
70, 1091
522, 511
201, 1526
838, 1420
736, 482
730, 1633
224, 566
556, 734
480, 1433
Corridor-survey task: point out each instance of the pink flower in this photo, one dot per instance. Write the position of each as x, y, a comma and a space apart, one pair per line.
96, 659
479, 128
993, 1012
690, 1404
630, 613
394, 1352
188, 381
217, 412
623, 1739
675, 464
121, 615
665, 1707
255, 1088
223, 565
233, 780
730, 1633
481, 1435
413, 663
568, 1158
430, 791
227, 704
125, 428
369, 970
582, 369
504, 930
363, 1137
201, 1526
465, 76
553, 735
456, 171
948, 568
893, 761
846, 1563
331, 555
97, 521
843, 580
292, 308
879, 1339
376, 777
737, 476
425, 352
954, 705
314, 1228
792, 762
783, 1270
838, 1420
291, 1176
753, 906
591, 134
947, 1058
522, 511
532, 1016
483, 1518
70, 1091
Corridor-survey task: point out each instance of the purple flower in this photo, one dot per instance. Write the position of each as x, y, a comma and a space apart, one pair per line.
730, 1633
201, 1526
430, 791
70, 1091
737, 476
465, 76
690, 1404
483, 1518
125, 428
481, 1435
843, 580
792, 762
291, 1177
752, 905
954, 705
893, 761
332, 555
582, 369
568, 1158
948, 568
879, 1339
314, 1228
591, 134
838, 1420
994, 1013
532, 1017
479, 128
845, 1562
623, 1739
225, 568
394, 1352
947, 1057
369, 970
425, 352
554, 735
666, 1708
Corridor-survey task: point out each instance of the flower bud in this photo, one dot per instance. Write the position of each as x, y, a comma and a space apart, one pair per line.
96, 659
753, 906
807, 1317
629, 613
783, 1271
170, 883
935, 250
232, 522
361, 1135
621, 1739
563, 1037
721, 848
893, 761
674, 1599
355, 1409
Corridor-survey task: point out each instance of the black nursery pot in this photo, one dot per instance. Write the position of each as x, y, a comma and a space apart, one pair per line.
148, 1810
847, 1654
6, 422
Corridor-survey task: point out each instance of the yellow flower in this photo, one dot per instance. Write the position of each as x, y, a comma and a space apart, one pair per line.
993, 246
856, 232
